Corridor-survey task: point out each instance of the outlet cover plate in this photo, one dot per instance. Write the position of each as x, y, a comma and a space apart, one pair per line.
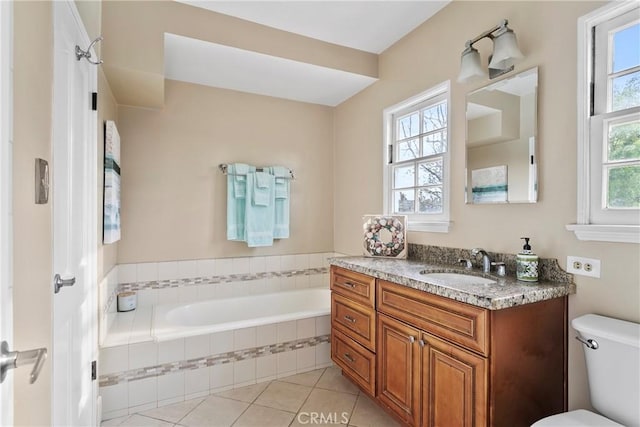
584, 266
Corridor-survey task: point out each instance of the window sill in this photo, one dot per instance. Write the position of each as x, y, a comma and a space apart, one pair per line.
606, 233
433, 227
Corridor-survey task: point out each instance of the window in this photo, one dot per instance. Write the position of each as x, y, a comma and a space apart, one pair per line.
609, 124
417, 160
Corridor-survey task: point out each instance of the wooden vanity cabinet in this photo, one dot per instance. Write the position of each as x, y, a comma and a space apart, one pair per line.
432, 361
447, 363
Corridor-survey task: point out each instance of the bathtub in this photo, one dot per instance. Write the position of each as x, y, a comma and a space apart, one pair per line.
172, 321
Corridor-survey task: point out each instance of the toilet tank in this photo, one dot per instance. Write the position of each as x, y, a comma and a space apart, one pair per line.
613, 369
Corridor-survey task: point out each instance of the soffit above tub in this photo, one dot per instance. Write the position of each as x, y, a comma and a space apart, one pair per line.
211, 64
136, 64
371, 26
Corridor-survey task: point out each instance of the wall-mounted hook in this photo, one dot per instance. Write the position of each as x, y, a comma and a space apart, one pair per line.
87, 53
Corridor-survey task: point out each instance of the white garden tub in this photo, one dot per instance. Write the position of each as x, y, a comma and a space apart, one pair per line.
172, 321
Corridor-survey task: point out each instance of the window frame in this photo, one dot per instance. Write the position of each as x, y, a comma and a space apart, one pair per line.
591, 225
418, 221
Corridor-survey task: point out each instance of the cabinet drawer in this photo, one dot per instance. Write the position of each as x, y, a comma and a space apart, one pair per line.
457, 322
356, 286
357, 362
354, 320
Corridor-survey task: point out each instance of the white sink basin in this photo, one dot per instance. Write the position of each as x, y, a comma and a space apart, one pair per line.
457, 279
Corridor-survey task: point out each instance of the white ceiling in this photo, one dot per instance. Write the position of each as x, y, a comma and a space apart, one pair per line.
370, 26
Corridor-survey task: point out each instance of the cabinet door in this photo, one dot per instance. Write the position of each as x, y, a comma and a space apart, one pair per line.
454, 391
398, 379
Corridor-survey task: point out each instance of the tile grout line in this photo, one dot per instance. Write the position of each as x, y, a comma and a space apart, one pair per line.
295, 418
355, 403
192, 409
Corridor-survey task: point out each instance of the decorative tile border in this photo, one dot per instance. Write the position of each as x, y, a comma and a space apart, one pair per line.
212, 360
211, 280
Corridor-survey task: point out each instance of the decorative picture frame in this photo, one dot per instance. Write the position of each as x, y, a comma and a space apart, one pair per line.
111, 195
489, 185
384, 236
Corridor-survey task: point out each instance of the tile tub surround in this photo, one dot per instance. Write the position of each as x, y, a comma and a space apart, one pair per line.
147, 375
195, 280
507, 292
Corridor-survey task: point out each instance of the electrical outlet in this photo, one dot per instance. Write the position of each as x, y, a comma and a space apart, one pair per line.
583, 266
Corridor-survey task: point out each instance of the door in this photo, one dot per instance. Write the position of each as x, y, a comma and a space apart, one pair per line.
74, 222
398, 379
454, 385
6, 241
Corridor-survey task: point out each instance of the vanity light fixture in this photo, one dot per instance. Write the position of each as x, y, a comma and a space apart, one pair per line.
505, 52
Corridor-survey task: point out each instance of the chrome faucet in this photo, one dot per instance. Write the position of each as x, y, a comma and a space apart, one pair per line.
486, 261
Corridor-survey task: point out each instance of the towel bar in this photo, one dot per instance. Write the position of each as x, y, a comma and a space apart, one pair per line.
223, 169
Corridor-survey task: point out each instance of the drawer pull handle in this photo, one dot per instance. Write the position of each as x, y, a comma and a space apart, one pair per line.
412, 339
349, 318
349, 358
349, 285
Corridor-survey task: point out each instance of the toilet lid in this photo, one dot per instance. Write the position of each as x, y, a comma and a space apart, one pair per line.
576, 418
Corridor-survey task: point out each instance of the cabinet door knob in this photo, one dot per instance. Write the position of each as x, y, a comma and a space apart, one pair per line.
421, 343
412, 339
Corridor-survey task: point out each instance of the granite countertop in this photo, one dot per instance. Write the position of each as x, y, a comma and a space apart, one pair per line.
506, 292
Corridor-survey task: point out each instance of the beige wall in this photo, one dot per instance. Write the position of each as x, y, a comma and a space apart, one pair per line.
547, 35
107, 110
173, 194
32, 258
90, 12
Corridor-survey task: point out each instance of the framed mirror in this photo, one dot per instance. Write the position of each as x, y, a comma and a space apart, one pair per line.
501, 161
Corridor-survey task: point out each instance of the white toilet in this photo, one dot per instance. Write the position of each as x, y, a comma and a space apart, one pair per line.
612, 353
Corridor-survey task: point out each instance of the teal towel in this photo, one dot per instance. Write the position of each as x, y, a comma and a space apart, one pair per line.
263, 189
281, 222
259, 219
236, 200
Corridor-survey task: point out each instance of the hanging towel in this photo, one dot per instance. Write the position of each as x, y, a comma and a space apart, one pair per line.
281, 226
263, 189
259, 219
236, 200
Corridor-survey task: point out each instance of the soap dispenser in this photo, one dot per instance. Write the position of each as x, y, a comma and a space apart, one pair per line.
527, 263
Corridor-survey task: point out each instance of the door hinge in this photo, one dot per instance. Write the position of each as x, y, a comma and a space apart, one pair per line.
94, 370
94, 101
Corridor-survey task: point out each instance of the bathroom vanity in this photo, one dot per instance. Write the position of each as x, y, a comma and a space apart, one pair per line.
437, 353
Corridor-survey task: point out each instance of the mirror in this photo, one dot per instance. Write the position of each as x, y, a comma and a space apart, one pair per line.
501, 141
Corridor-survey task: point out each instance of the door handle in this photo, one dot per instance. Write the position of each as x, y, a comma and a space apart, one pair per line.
16, 359
59, 282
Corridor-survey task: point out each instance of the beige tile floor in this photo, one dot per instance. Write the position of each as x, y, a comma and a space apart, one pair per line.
320, 397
